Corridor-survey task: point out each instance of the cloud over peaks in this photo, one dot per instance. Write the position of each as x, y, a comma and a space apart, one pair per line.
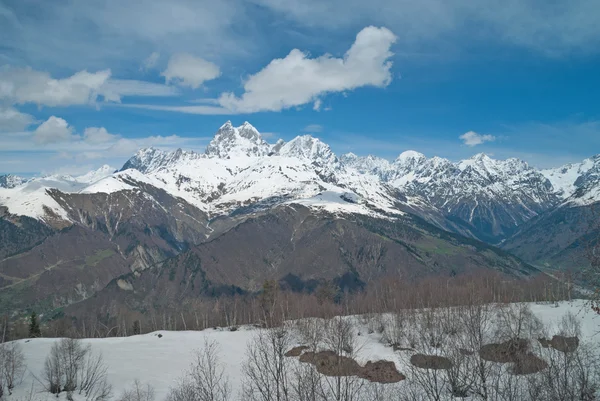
472, 138
191, 71
26, 85
54, 129
297, 79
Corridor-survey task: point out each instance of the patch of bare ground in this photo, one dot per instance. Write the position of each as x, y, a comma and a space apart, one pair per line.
561, 343
397, 347
381, 372
328, 363
528, 364
430, 361
506, 352
296, 351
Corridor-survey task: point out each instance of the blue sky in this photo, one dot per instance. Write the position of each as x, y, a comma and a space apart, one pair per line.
87, 83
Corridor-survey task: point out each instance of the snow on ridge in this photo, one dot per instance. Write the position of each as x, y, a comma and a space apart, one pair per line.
239, 167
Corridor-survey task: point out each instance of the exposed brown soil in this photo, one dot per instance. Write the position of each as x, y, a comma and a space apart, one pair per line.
296, 351
561, 343
430, 361
328, 363
528, 364
506, 352
381, 372
397, 347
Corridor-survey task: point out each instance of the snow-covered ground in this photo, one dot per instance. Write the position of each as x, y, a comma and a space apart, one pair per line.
161, 361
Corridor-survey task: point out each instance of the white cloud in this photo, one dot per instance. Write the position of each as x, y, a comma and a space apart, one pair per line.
54, 129
150, 61
114, 89
472, 138
297, 79
98, 135
25, 85
203, 110
54, 143
313, 128
12, 120
191, 71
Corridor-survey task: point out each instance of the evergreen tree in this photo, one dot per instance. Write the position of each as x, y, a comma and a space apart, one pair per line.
137, 328
34, 326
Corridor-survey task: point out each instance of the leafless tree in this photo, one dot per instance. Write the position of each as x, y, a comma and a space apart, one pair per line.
477, 320
517, 321
570, 376
339, 337
206, 380
13, 365
93, 382
266, 368
138, 392
63, 366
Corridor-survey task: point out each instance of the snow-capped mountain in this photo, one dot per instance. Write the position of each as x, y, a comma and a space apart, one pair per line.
577, 183
490, 197
240, 171
31, 198
243, 141
10, 181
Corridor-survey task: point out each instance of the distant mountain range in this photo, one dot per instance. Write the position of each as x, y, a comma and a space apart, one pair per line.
246, 210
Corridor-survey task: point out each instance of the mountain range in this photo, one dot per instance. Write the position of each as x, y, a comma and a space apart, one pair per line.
245, 210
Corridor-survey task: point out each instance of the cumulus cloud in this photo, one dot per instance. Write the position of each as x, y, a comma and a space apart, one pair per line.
12, 120
150, 61
98, 135
25, 85
191, 71
54, 129
472, 138
298, 79
55, 141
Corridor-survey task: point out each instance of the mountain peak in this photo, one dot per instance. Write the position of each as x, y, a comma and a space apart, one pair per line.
243, 141
226, 125
309, 147
10, 181
410, 155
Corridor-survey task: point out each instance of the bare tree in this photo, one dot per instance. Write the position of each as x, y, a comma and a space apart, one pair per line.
13, 365
266, 368
93, 383
339, 337
63, 366
478, 325
573, 372
517, 321
206, 380
138, 392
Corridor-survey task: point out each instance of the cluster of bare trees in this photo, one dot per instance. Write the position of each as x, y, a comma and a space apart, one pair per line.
206, 379
272, 305
12, 367
523, 366
72, 367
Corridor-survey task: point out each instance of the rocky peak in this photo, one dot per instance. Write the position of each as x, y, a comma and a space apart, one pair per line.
10, 181
308, 147
242, 141
96, 175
